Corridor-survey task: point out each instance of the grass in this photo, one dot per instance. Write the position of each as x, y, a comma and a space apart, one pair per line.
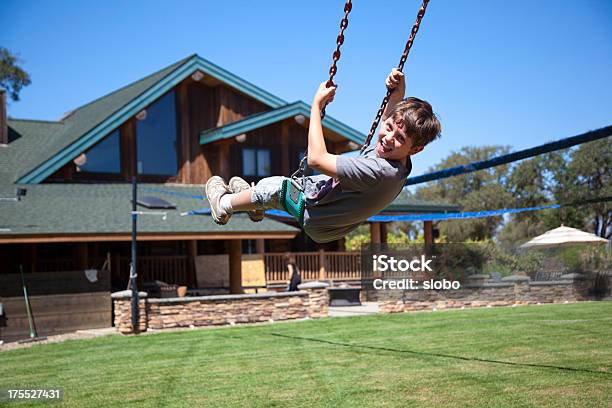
550, 355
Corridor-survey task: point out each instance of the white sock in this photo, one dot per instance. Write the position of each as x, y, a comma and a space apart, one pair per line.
225, 204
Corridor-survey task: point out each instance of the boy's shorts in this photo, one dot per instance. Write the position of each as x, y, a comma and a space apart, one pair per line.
266, 194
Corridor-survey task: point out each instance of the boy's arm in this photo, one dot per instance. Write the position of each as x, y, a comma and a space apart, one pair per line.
318, 156
397, 83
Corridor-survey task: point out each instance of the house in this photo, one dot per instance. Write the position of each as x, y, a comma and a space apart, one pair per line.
172, 130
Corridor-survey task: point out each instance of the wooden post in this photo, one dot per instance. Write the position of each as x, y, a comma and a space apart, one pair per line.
260, 246
202, 165
235, 265
3, 122
192, 252
428, 233
116, 270
185, 139
284, 145
128, 149
96, 251
383, 232
82, 256
322, 271
31, 256
375, 232
224, 157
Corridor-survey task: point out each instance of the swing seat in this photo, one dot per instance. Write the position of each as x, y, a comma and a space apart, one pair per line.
292, 199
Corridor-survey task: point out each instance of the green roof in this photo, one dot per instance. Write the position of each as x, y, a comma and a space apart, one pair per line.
81, 209
404, 204
30, 142
273, 116
88, 124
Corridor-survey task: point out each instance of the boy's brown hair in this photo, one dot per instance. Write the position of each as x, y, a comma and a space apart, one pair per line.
418, 119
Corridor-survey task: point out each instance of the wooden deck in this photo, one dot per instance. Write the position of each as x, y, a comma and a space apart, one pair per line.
321, 265
175, 269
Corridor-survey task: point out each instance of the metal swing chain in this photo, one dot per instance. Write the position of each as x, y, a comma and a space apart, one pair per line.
348, 6
400, 67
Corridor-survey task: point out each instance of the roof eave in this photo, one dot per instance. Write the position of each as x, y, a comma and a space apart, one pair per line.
145, 236
267, 118
402, 208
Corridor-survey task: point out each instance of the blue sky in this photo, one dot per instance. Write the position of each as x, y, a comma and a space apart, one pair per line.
517, 73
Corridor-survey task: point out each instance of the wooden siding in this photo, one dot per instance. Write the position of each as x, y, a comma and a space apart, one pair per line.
200, 111
61, 302
231, 106
201, 106
56, 314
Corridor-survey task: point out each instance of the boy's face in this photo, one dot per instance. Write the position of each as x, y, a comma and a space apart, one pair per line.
393, 143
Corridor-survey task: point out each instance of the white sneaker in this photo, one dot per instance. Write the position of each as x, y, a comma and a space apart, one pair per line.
236, 185
215, 189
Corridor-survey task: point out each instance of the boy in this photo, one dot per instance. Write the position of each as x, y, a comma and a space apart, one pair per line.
350, 189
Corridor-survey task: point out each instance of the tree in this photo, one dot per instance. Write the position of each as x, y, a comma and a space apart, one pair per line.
480, 190
562, 177
12, 77
532, 183
589, 175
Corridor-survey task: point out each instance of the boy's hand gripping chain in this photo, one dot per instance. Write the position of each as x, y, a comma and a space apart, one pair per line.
348, 6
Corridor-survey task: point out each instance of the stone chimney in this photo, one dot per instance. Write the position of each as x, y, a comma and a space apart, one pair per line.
3, 124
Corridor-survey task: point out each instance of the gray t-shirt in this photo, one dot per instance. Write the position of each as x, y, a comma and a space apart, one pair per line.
366, 184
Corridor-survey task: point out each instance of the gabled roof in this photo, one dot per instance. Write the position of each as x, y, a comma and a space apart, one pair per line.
88, 124
56, 212
276, 115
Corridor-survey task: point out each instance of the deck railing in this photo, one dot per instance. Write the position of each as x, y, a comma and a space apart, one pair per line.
276, 269
343, 265
169, 269
338, 266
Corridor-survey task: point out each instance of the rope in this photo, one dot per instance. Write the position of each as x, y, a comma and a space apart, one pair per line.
512, 157
435, 216
462, 215
458, 216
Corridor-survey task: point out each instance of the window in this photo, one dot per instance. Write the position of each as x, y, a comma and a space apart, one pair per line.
156, 139
102, 158
256, 162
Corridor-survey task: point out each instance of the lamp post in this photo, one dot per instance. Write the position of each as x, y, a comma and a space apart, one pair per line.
133, 270
158, 203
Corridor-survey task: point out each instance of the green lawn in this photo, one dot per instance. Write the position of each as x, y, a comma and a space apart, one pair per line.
550, 355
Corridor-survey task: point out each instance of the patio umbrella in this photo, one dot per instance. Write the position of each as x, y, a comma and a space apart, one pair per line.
563, 236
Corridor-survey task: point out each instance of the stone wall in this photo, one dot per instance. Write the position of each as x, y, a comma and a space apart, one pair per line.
122, 302
318, 299
156, 314
480, 292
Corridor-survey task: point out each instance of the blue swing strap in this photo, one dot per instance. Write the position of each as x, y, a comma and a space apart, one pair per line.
293, 200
